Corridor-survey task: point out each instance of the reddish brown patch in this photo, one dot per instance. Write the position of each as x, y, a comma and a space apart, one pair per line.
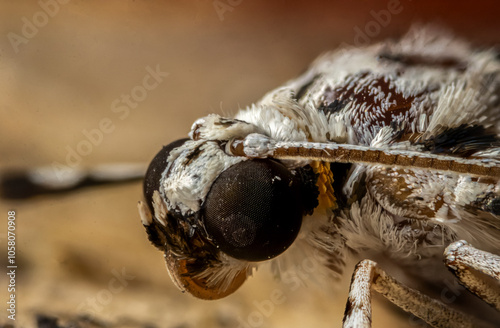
373, 91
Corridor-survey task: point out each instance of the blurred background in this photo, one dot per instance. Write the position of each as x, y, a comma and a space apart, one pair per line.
70, 68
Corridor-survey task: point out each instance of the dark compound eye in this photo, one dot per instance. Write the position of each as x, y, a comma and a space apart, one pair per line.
253, 211
155, 171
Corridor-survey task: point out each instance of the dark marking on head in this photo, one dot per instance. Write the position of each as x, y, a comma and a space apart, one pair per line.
154, 236
182, 238
195, 153
196, 132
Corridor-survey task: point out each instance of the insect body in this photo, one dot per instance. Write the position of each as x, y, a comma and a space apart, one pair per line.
390, 152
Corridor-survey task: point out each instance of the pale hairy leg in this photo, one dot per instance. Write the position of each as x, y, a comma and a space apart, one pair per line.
477, 270
367, 274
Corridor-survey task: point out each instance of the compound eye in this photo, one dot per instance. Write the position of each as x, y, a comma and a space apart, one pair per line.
253, 211
155, 171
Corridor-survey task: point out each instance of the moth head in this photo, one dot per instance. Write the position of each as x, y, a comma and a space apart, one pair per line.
215, 215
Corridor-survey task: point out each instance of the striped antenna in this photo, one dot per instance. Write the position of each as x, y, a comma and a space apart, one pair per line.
258, 146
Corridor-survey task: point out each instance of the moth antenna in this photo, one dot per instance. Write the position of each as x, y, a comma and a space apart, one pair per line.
258, 146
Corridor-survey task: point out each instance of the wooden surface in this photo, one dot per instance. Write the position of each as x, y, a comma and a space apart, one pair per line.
67, 77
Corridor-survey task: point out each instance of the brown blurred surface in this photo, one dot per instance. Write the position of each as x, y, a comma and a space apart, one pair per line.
65, 79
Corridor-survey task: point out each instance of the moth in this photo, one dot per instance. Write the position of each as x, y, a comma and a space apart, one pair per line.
390, 153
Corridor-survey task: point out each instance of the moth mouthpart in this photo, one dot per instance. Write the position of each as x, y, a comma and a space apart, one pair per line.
200, 286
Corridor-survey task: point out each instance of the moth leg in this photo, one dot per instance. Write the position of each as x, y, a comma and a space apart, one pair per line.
367, 274
473, 268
